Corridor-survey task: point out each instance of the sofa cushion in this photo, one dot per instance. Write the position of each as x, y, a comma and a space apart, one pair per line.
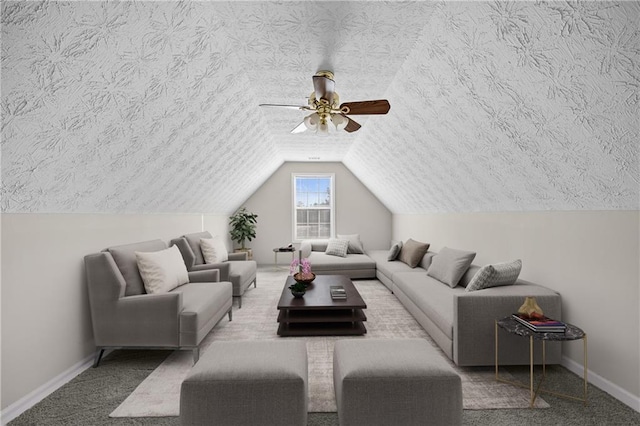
394, 251
194, 242
389, 268
433, 298
214, 250
125, 258
200, 302
498, 274
355, 245
412, 251
322, 262
163, 270
337, 247
449, 265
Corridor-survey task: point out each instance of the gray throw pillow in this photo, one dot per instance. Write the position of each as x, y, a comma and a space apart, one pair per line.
355, 245
412, 252
449, 265
337, 247
395, 251
495, 275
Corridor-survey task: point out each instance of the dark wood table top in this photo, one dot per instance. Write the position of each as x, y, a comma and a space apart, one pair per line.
319, 297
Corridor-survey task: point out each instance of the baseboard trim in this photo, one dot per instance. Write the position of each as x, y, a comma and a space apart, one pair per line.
612, 389
31, 399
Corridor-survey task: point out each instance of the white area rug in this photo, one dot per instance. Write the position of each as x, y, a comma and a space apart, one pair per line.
159, 394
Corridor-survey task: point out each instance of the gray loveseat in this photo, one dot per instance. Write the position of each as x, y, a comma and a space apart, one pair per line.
353, 265
240, 271
124, 315
463, 323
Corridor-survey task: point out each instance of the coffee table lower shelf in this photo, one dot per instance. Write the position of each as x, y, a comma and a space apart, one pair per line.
321, 322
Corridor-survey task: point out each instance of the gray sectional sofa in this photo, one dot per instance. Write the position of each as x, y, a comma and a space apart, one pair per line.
353, 265
462, 322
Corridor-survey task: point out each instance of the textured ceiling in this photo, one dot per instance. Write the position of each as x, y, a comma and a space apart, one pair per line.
152, 106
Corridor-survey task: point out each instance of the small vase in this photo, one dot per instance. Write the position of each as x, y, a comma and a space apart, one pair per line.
530, 307
298, 294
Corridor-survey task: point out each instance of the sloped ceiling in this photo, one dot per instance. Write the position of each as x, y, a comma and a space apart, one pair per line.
153, 106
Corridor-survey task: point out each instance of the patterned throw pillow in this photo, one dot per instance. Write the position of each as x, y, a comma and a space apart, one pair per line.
355, 245
495, 275
395, 251
337, 247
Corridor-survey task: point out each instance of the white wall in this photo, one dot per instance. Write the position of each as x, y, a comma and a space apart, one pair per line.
46, 324
357, 210
590, 257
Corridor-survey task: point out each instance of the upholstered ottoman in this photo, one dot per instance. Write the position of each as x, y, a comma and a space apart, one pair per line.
394, 382
247, 383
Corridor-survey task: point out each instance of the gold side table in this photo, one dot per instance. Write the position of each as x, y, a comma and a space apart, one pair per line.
572, 332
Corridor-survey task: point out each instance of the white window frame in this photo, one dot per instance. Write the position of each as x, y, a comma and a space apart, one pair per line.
332, 207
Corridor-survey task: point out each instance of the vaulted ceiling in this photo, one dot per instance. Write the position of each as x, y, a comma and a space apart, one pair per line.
153, 106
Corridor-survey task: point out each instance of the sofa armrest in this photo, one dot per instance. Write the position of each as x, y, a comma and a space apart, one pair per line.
474, 316
305, 248
140, 320
223, 267
205, 276
239, 256
185, 250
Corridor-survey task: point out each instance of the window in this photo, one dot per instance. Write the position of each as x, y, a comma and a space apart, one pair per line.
313, 203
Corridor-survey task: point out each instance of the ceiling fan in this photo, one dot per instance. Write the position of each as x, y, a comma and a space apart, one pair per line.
325, 104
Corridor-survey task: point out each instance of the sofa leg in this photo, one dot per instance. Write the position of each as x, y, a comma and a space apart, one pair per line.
255, 283
239, 302
196, 354
230, 314
98, 357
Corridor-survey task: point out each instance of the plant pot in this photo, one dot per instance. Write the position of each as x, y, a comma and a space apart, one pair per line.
298, 294
304, 279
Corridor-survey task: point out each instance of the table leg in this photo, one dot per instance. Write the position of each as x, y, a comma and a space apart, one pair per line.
531, 371
585, 368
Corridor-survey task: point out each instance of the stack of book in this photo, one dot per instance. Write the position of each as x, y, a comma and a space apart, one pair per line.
541, 324
338, 292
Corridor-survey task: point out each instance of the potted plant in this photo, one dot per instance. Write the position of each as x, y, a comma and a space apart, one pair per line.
298, 289
300, 270
243, 227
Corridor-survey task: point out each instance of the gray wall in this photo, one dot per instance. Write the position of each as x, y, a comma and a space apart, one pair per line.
357, 210
590, 257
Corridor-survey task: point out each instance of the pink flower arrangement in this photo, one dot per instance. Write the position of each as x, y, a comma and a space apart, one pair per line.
300, 265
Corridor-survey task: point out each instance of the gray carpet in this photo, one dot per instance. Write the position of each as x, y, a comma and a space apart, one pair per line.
89, 398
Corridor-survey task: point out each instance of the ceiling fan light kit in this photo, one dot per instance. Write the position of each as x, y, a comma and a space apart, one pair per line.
325, 104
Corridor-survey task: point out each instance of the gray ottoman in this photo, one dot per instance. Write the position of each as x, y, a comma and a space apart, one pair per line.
247, 383
394, 382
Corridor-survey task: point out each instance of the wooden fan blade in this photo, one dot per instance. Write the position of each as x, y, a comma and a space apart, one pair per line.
352, 126
299, 128
324, 87
380, 106
303, 107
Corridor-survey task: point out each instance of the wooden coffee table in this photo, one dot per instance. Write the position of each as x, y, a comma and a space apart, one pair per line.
317, 314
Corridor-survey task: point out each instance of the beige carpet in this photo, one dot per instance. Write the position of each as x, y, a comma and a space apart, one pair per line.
159, 394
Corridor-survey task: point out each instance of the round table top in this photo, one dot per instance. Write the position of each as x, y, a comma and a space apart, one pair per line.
282, 250
512, 326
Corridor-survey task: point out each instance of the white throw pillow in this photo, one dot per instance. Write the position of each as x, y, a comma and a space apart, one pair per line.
495, 275
214, 250
337, 247
163, 270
